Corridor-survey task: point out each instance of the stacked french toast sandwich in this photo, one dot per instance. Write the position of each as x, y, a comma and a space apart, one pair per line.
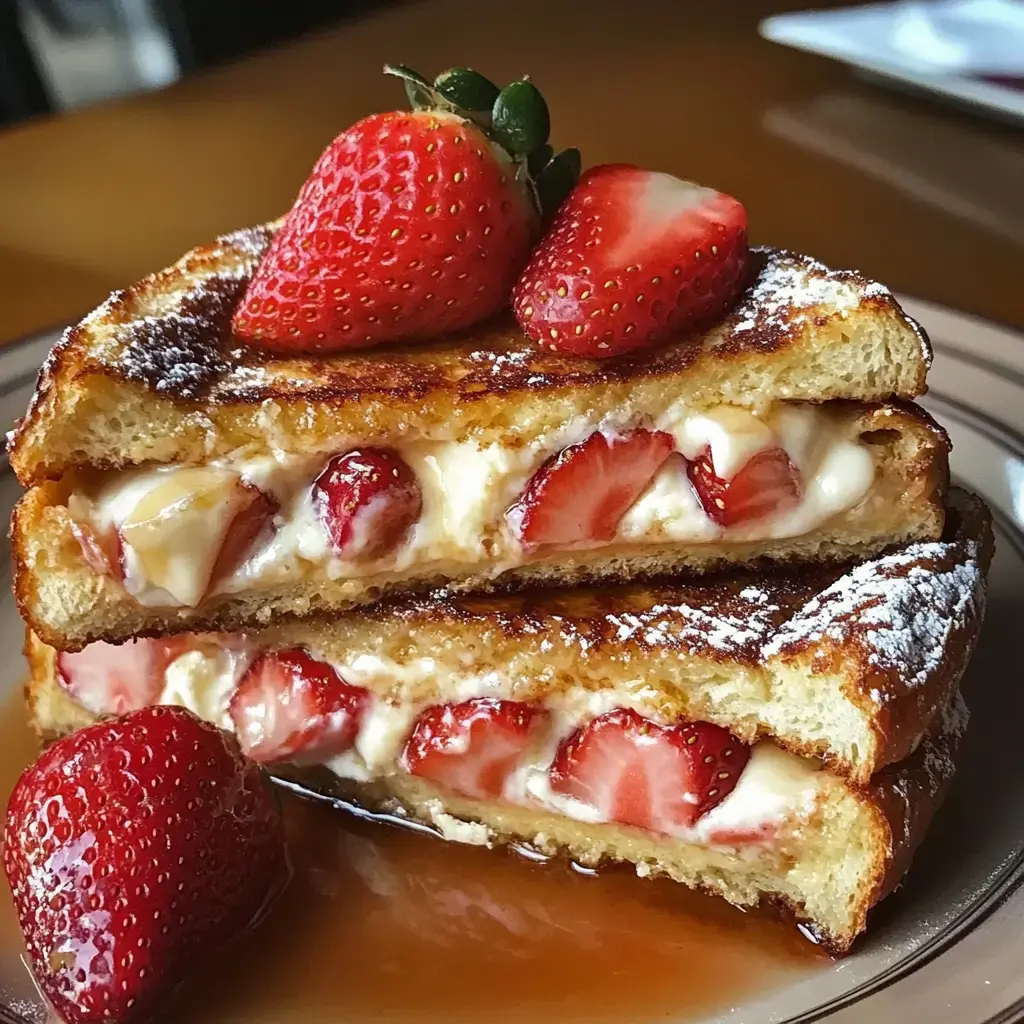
525, 505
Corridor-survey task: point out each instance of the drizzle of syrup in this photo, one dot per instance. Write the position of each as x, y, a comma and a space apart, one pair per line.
385, 922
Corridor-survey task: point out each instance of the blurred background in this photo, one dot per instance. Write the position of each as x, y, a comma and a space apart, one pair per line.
888, 137
61, 54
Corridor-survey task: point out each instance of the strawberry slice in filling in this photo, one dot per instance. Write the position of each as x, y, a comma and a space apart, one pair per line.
768, 484
366, 501
109, 679
635, 772
289, 706
188, 531
579, 495
101, 550
472, 747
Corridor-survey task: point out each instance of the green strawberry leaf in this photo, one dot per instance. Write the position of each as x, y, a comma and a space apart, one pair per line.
466, 90
419, 91
556, 180
519, 119
539, 159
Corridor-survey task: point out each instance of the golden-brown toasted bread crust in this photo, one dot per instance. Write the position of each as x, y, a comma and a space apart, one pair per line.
164, 348
890, 637
901, 675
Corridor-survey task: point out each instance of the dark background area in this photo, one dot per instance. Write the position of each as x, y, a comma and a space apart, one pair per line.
209, 31
44, 42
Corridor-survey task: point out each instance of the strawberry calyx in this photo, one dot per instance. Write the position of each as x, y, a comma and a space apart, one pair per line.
516, 118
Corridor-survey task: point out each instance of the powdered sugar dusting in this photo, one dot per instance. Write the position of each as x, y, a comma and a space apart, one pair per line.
178, 346
725, 630
937, 759
897, 613
731, 626
498, 363
901, 608
790, 289
173, 352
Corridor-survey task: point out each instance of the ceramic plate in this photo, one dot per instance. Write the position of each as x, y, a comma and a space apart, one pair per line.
948, 946
866, 39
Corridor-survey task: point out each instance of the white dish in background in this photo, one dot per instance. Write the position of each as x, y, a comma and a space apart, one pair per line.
970, 51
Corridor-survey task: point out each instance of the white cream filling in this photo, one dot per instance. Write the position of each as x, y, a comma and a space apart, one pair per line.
775, 789
467, 488
203, 682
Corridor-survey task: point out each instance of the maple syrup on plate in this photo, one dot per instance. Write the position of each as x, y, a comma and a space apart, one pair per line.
389, 923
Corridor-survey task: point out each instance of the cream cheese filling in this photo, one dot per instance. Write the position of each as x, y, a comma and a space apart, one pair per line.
776, 792
467, 488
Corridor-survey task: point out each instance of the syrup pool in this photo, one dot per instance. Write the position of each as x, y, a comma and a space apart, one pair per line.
386, 923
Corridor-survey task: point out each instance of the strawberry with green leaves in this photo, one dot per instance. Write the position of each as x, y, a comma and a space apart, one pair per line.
412, 224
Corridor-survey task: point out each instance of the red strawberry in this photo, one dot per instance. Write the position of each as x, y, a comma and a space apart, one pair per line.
366, 500
657, 777
291, 707
110, 680
134, 849
252, 519
632, 258
471, 747
579, 495
769, 483
410, 225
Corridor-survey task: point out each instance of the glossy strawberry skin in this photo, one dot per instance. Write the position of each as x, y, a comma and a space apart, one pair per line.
135, 848
580, 495
290, 706
471, 747
636, 772
409, 226
767, 484
632, 259
366, 501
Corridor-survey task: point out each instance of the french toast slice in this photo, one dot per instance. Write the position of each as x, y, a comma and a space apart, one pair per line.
211, 486
853, 846
464, 540
155, 375
825, 702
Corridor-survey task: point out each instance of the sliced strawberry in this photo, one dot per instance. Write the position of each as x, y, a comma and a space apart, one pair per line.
111, 680
291, 707
579, 495
102, 552
632, 259
657, 777
196, 522
254, 516
367, 500
471, 747
768, 484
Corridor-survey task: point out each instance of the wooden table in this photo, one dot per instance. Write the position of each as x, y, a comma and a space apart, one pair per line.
925, 198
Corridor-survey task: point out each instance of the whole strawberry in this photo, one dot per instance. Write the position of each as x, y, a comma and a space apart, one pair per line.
411, 224
632, 258
133, 849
